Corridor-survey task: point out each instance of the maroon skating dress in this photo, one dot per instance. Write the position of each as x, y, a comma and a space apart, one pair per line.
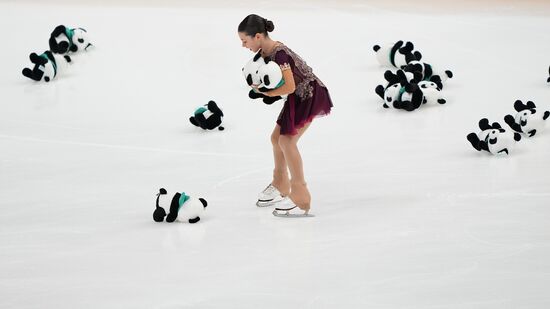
310, 99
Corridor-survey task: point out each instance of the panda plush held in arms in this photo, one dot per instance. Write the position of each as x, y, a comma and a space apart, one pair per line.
528, 120
183, 208
265, 75
208, 117
64, 40
493, 138
397, 54
46, 66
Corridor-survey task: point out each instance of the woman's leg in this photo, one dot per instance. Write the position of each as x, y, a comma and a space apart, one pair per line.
299, 194
280, 173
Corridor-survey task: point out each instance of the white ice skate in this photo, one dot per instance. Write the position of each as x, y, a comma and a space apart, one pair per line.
287, 209
269, 197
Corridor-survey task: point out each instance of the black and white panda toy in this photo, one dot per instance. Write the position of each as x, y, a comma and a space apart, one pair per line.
429, 72
271, 77
402, 91
528, 120
391, 92
265, 75
208, 117
250, 70
64, 40
46, 66
182, 207
493, 138
397, 54
432, 93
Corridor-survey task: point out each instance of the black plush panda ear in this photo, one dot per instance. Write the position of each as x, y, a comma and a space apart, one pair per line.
496, 125
417, 55
519, 106
531, 105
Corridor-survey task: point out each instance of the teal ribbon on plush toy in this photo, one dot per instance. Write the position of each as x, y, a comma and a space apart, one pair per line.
69, 33
401, 91
183, 199
52, 61
200, 110
282, 82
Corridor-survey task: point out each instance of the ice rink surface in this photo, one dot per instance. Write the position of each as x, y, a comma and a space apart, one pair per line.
408, 215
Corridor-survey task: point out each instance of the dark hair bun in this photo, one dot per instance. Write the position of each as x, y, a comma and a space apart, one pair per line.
269, 26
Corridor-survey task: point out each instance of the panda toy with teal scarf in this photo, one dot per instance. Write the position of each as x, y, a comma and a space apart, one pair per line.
397, 54
46, 66
401, 91
182, 207
64, 40
208, 117
270, 77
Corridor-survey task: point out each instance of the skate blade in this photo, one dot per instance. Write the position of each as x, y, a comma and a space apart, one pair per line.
286, 214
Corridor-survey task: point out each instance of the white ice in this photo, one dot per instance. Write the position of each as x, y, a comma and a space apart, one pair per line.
408, 215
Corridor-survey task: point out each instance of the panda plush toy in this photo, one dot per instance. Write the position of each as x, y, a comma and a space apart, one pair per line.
271, 77
397, 54
429, 73
250, 70
64, 40
394, 89
402, 91
46, 66
528, 120
493, 138
208, 117
183, 208
432, 92
265, 75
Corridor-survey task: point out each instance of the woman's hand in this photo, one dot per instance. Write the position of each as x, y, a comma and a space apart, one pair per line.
255, 88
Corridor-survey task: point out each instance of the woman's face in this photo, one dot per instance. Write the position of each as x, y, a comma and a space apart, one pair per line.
250, 42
